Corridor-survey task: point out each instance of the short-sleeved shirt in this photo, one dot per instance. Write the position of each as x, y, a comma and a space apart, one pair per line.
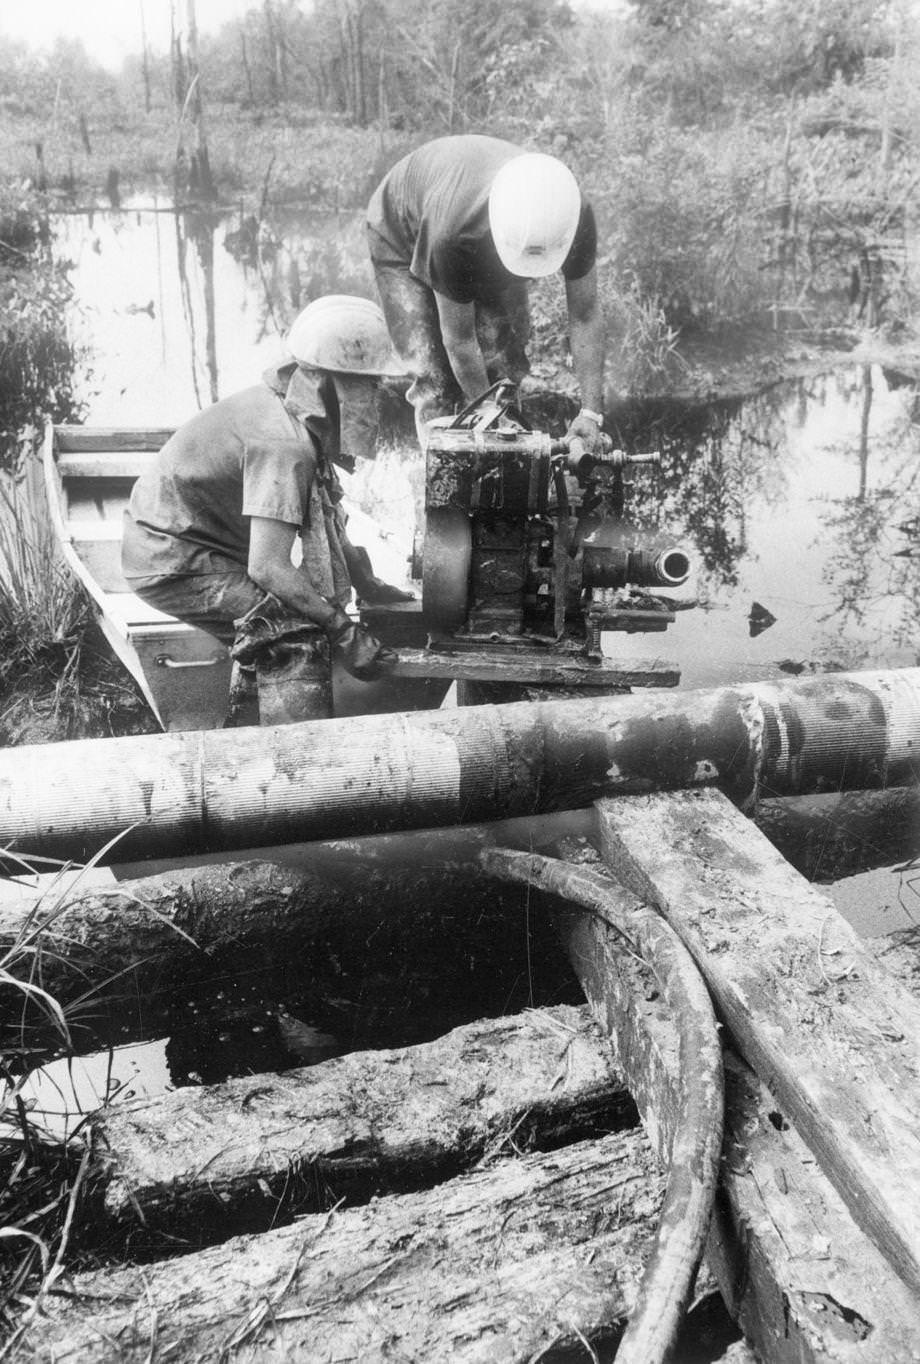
242, 457
431, 213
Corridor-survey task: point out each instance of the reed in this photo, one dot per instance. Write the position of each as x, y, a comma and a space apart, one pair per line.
43, 612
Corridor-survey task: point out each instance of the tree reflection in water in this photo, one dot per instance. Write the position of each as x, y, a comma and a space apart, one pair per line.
805, 497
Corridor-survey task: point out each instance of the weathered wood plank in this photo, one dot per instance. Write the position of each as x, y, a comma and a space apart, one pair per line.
538, 667
77, 439
804, 1282
834, 1036
122, 464
197, 1160
499, 1265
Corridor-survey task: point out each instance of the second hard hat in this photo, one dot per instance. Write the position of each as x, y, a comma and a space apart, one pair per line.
534, 206
345, 334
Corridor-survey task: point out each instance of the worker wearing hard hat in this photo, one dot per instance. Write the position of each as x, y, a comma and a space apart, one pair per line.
210, 528
456, 229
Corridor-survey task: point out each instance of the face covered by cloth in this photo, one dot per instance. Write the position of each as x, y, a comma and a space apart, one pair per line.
359, 414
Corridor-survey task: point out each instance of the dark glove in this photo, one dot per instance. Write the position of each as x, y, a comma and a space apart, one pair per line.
586, 428
360, 654
370, 589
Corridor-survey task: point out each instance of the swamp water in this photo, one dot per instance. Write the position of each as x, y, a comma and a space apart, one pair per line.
799, 507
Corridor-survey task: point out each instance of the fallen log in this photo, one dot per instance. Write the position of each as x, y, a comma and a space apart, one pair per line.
801, 1278
834, 1036
394, 935
504, 1264
172, 794
202, 1164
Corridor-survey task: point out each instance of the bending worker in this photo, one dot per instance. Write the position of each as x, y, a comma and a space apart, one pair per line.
210, 528
456, 229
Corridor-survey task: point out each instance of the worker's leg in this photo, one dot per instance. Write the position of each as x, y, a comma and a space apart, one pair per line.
503, 330
412, 319
211, 600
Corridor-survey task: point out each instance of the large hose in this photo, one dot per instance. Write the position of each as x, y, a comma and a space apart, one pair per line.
696, 1144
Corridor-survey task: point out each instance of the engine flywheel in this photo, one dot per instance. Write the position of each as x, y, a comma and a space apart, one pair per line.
446, 559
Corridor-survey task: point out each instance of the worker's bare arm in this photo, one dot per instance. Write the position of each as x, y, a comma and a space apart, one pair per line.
270, 544
458, 332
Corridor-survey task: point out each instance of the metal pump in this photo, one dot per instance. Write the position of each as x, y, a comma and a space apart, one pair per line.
523, 537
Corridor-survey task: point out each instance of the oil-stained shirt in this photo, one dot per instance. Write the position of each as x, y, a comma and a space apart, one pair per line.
431, 213
240, 458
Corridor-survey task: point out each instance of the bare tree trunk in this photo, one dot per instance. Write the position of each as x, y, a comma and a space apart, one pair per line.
145, 58
271, 38
246, 67
199, 167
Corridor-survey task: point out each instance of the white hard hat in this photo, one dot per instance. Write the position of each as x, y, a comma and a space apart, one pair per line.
534, 205
343, 333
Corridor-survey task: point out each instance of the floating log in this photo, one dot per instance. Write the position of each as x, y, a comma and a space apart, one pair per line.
172, 794
796, 1272
504, 1264
204, 1163
834, 1036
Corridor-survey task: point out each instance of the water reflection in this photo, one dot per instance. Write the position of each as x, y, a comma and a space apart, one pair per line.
177, 310
790, 500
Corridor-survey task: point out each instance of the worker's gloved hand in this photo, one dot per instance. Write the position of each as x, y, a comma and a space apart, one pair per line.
585, 428
361, 655
370, 589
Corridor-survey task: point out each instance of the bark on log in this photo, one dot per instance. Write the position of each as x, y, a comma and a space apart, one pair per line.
499, 1265
804, 1282
171, 794
205, 1163
834, 1035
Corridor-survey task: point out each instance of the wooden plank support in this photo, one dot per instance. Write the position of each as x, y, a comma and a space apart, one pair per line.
539, 667
504, 1264
806, 1285
203, 1162
832, 1034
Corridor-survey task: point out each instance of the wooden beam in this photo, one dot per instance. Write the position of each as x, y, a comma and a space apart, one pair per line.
92, 439
504, 1264
832, 1034
539, 667
806, 1285
202, 1162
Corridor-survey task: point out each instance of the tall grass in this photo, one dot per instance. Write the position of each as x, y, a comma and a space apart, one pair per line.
43, 612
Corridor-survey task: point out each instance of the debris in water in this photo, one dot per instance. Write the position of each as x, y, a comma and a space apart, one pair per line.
306, 1044
759, 619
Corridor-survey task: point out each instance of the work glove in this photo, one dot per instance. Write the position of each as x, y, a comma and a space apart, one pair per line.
586, 428
360, 654
370, 589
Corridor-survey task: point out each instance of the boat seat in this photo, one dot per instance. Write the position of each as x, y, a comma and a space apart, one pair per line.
130, 610
125, 464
